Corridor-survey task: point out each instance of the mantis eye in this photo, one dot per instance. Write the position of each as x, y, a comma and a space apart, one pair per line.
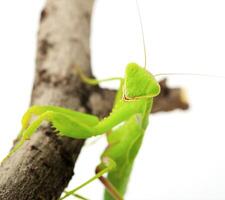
139, 82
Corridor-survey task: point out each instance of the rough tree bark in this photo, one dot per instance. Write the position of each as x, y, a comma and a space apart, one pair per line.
44, 165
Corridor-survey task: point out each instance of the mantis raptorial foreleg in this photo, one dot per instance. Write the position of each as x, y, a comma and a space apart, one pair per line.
67, 122
38, 110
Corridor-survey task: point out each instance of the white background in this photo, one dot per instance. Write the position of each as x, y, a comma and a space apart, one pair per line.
182, 156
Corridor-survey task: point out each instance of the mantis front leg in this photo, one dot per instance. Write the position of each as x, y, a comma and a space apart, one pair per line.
67, 122
73, 124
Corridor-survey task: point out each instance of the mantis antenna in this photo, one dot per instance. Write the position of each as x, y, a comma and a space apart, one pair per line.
190, 74
142, 33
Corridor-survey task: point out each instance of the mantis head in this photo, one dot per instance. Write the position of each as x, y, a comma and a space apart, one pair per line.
139, 83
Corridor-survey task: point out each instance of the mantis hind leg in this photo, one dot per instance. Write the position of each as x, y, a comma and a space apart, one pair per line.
109, 186
77, 196
80, 197
106, 166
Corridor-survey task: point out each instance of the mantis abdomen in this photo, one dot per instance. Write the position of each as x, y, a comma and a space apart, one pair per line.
124, 144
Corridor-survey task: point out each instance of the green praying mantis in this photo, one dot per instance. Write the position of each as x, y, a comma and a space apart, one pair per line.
124, 127
131, 109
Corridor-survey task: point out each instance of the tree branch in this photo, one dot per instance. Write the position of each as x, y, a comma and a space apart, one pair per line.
43, 166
